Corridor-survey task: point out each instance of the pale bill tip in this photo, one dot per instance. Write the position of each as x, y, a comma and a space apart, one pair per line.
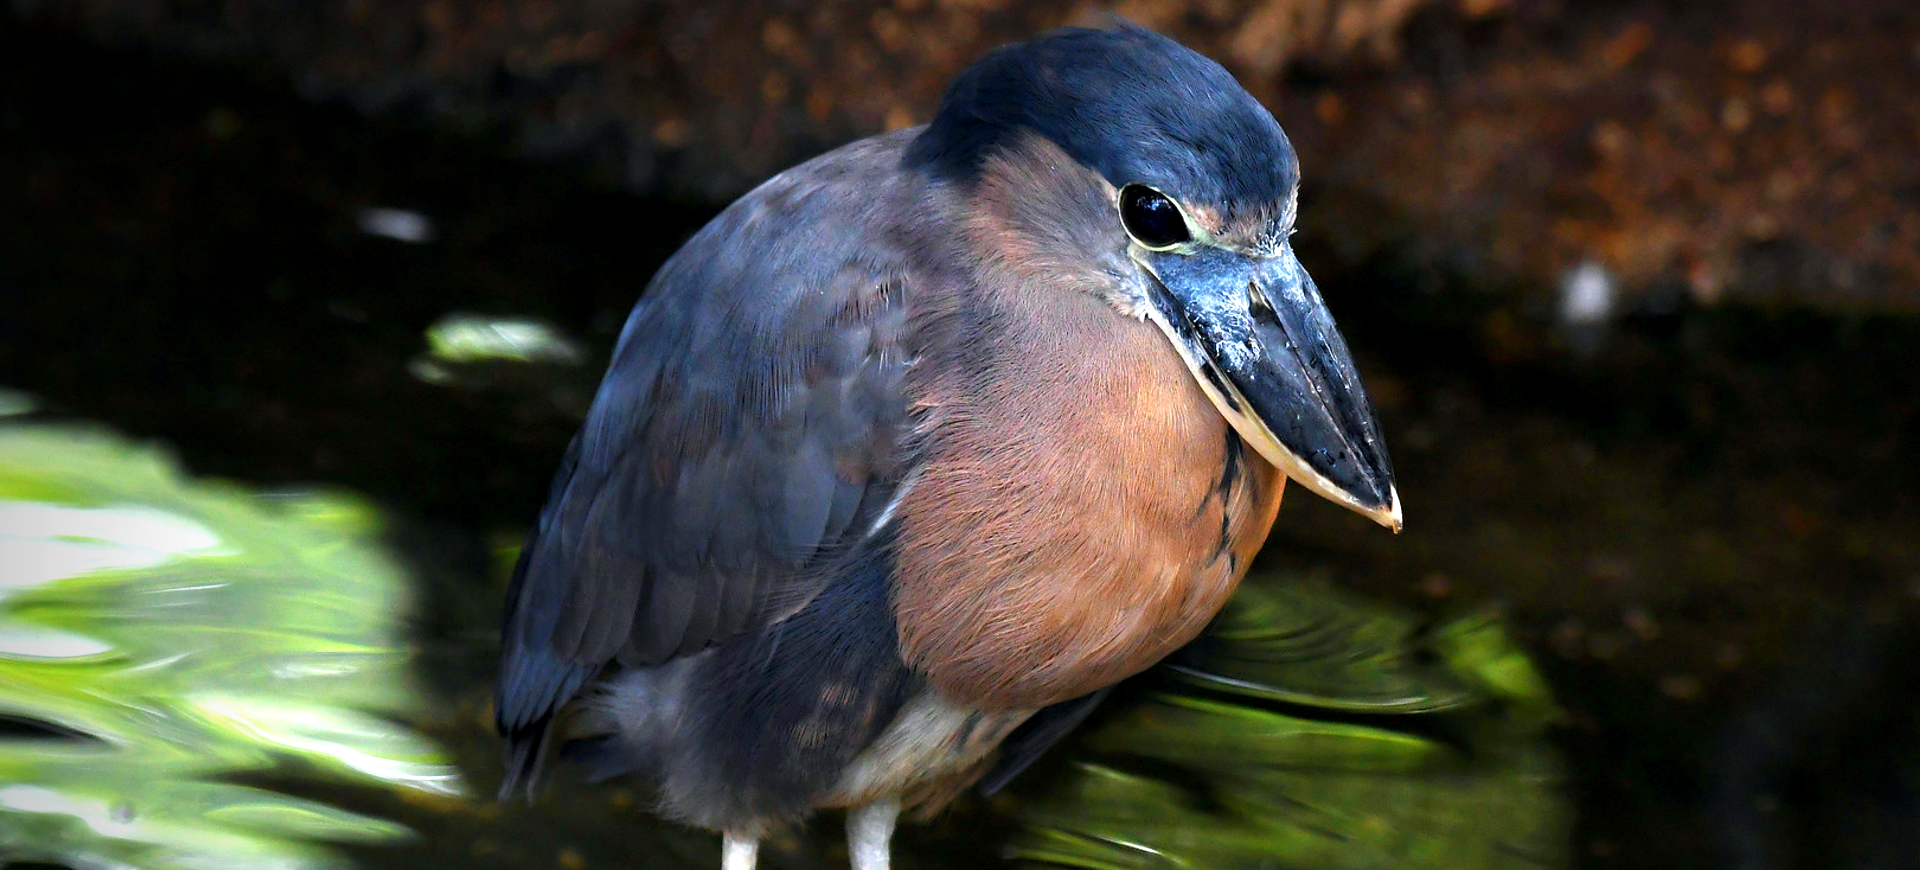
1391, 517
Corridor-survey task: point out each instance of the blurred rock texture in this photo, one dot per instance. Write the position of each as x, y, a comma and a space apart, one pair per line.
1760, 150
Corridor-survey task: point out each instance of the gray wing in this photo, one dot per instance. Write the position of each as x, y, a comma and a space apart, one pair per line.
749, 428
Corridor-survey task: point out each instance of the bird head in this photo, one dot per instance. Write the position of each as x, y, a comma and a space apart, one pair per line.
1122, 162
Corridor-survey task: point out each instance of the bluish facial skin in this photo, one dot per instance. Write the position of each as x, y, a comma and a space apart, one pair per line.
1264, 346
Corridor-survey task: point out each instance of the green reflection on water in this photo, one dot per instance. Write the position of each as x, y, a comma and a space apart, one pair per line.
1312, 730
468, 338
159, 638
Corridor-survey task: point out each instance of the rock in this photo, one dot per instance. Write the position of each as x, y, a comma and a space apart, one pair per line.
1687, 147
692, 99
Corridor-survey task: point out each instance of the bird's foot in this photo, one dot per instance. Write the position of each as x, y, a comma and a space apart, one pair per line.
870, 833
737, 852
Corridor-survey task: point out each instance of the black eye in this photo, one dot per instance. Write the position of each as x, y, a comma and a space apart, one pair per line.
1151, 218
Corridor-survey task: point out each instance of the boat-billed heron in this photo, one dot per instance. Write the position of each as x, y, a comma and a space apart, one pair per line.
933, 436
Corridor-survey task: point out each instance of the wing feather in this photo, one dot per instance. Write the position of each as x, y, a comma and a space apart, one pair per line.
749, 428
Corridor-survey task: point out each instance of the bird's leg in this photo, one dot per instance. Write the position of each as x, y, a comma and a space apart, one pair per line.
738, 852
869, 833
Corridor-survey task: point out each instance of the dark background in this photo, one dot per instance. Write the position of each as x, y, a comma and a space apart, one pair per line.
1698, 509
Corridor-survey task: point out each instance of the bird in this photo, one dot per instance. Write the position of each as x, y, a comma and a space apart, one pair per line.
918, 448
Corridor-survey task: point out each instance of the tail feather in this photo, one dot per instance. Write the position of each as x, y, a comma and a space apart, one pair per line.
526, 754
1037, 735
604, 757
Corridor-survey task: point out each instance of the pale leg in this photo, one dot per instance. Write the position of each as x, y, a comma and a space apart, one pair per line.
738, 853
869, 831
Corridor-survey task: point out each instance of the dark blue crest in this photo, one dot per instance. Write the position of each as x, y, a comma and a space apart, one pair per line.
1129, 103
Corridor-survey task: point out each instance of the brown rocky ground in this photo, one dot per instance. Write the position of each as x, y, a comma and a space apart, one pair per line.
1757, 150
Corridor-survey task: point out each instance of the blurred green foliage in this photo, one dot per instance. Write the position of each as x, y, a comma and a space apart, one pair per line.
161, 641
470, 338
1312, 730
